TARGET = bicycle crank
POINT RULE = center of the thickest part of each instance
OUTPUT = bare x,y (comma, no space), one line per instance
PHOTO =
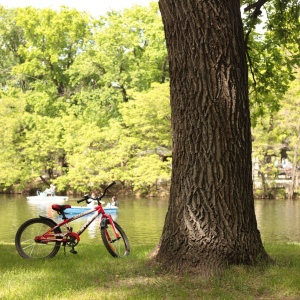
72,241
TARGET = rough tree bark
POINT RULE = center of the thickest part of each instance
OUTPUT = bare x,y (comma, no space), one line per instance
211,221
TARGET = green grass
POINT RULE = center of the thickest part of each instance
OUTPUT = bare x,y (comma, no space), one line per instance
94,274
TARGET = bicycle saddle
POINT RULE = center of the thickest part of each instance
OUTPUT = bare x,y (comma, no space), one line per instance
59,207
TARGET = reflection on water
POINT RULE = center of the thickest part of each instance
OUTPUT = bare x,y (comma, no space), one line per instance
142,219
278,220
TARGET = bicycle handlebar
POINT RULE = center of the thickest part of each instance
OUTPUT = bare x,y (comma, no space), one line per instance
87,197
113,183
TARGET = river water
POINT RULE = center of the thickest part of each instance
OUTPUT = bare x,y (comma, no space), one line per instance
143,218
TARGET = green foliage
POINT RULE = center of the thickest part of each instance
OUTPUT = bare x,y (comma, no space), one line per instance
85,101
145,131
287,121
11,166
128,52
11,38
280,131
72,73
271,79
272,53
53,40
132,148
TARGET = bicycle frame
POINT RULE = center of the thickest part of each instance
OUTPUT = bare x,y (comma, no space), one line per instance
51,236
32,242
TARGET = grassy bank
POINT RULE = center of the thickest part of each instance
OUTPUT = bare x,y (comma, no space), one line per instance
94,274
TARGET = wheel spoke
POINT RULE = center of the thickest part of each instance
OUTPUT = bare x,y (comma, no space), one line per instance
116,246
25,239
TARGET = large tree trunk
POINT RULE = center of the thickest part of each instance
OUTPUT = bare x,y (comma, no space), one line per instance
211,220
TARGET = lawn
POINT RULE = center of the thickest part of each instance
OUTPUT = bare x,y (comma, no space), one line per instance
94,274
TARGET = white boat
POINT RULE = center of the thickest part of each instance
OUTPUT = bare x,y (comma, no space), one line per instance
44,199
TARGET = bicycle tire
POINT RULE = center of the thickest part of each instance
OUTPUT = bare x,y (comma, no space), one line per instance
117,248
26,245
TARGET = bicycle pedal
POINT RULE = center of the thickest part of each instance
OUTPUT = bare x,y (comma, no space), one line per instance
73,251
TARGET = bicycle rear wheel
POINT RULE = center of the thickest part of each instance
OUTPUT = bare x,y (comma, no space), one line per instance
116,247
25,243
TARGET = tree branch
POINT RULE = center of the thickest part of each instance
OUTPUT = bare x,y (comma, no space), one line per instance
257,11
251,67
257,5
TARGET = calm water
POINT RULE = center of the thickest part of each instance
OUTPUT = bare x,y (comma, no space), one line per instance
143,219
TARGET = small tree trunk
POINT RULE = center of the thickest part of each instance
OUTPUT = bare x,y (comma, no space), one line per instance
294,170
264,184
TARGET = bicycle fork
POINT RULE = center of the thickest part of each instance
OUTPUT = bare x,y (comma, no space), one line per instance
105,221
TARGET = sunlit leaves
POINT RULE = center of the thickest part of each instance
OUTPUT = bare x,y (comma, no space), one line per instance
272,54
92,106
134,147
53,40
279,131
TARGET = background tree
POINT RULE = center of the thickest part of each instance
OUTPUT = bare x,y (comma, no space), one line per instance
10,111
70,81
11,39
211,222
128,52
141,140
266,148
271,34
71,76
277,137
287,127
133,148
53,40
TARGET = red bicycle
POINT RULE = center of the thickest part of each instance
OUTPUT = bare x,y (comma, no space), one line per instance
42,237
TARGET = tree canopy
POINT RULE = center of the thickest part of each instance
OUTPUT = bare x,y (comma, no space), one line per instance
85,101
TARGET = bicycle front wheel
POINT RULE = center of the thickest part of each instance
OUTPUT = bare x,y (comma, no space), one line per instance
116,247
25,239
